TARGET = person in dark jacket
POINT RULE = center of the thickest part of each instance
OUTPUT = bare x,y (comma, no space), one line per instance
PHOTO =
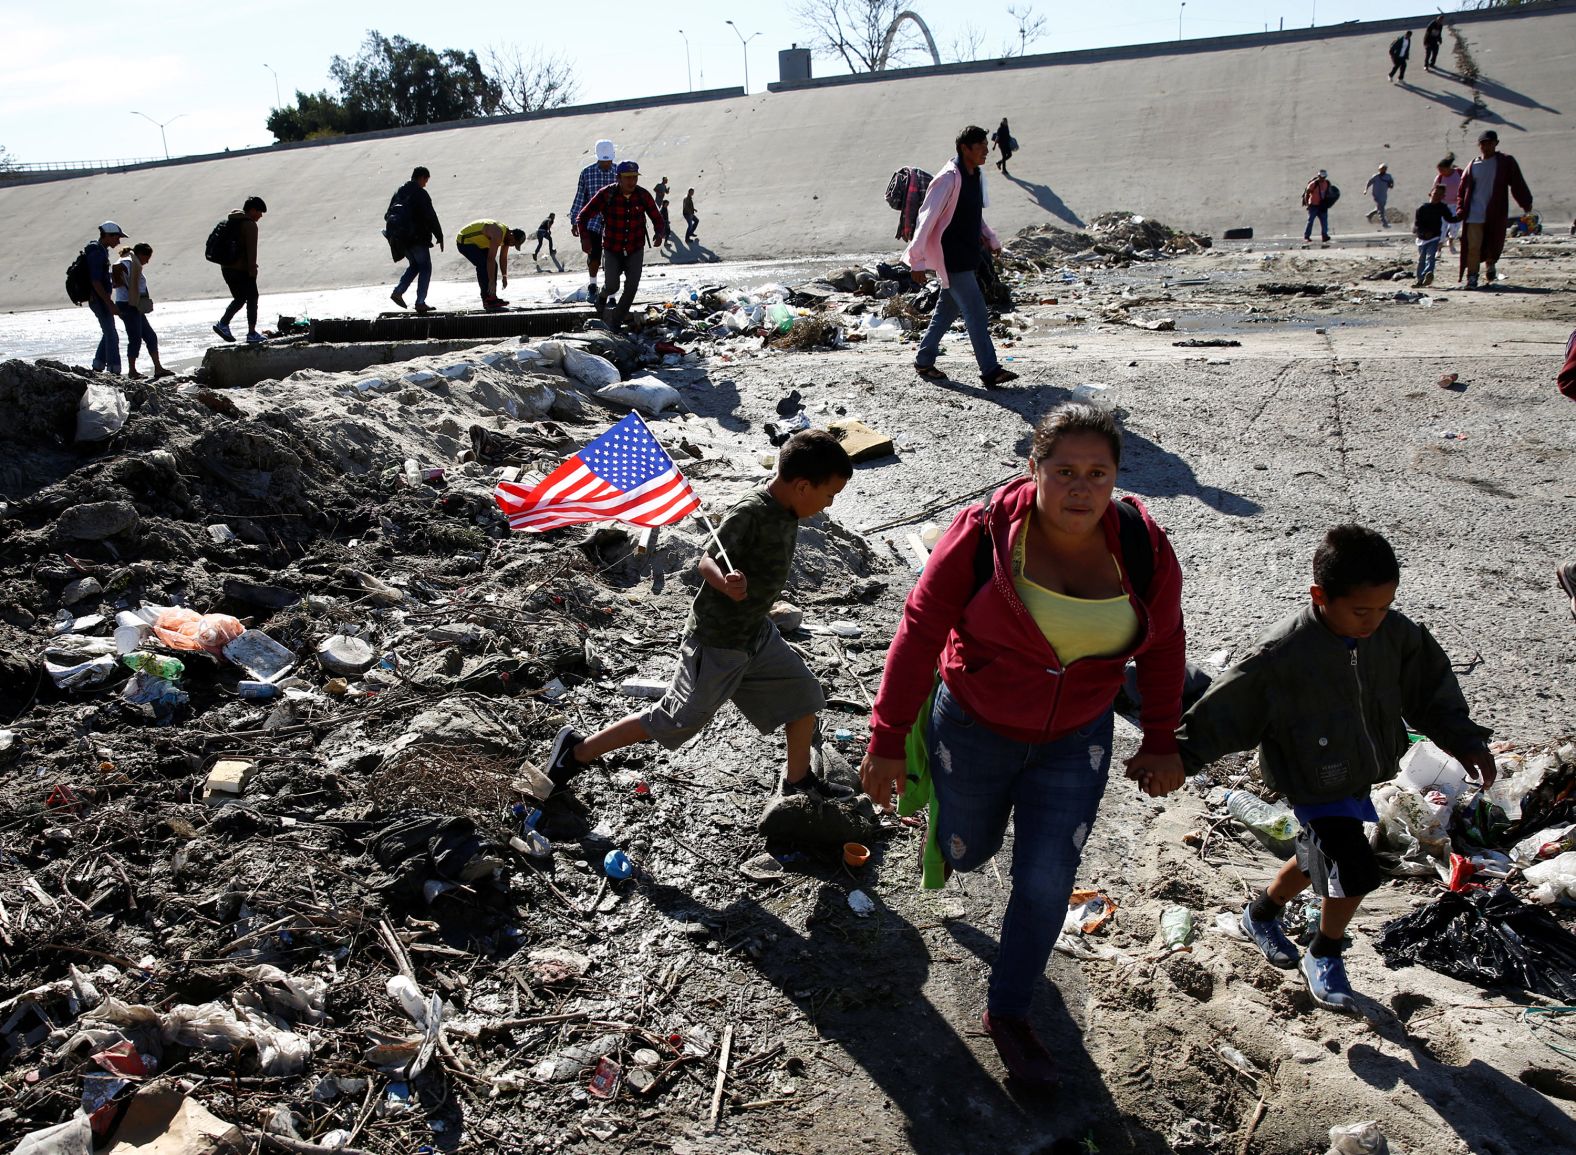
544,235
421,229
106,357
1433,37
1484,207
1003,138
1400,52
1327,696
1032,606
240,272
1427,226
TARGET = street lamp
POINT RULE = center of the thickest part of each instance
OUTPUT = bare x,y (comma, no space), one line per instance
161,125
744,43
277,102
688,76
1179,19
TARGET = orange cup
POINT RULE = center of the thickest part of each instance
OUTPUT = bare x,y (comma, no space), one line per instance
854,854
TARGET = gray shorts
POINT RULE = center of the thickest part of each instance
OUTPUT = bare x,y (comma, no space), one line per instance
770,684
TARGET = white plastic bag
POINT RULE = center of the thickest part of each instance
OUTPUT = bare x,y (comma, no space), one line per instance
1554,879
646,394
101,412
1358,1139
589,369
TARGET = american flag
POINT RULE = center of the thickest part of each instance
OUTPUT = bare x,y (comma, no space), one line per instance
624,475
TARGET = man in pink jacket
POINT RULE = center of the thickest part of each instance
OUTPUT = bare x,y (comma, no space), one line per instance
947,240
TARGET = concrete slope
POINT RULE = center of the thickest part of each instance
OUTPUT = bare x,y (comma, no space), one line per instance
1213,135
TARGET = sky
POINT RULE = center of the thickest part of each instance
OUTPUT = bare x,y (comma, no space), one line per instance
207,70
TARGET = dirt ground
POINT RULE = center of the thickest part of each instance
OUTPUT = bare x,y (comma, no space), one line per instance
844,1032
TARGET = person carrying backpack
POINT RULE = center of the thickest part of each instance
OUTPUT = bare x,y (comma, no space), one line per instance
1317,198
1400,51
412,225
96,261
233,247
998,696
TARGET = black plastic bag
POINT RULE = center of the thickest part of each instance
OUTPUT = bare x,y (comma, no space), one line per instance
1490,938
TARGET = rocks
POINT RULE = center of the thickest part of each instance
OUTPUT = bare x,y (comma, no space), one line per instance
98,520
787,616
81,590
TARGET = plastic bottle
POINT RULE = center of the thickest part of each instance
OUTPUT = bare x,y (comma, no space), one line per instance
533,844
1273,825
1176,927
144,663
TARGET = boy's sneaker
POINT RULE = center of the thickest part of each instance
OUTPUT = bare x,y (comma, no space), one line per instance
224,331
1021,1051
1270,937
816,788
561,762
1326,979
255,338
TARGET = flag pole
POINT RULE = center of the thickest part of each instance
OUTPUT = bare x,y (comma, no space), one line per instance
720,547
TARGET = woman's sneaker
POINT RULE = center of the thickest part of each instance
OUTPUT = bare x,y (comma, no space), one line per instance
1326,979
1270,938
562,765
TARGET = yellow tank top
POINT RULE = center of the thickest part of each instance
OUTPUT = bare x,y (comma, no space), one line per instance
1075,627
475,233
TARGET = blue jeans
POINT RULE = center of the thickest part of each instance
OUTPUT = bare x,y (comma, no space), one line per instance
1323,215
961,298
106,358
419,270
138,333
1427,253
1052,791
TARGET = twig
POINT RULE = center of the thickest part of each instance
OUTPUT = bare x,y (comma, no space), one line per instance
562,897
1253,1125
297,1146
722,1077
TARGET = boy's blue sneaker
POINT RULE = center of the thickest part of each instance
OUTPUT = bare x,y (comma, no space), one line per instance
1326,978
1270,938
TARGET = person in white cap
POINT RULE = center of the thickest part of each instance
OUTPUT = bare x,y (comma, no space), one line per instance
1317,199
593,179
106,358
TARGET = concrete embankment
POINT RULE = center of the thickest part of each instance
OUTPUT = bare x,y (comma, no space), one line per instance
1204,135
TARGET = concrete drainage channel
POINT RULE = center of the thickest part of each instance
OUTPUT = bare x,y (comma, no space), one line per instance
348,345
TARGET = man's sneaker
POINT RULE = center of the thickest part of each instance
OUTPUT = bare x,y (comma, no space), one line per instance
255,338
1566,576
224,331
561,762
1021,1051
1471,281
1428,280
1326,979
423,307
592,290
1270,937
816,788
998,377
397,299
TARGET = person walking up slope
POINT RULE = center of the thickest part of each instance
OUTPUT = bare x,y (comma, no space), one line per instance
947,240
239,268
1400,51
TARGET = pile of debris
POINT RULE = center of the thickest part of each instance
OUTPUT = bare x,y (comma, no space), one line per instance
279,866
1115,240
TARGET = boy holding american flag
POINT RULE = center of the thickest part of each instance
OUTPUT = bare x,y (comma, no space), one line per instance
731,650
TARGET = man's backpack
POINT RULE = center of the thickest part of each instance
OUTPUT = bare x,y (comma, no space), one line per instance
79,285
897,189
1331,195
224,243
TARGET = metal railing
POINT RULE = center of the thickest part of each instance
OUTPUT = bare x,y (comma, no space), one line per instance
75,165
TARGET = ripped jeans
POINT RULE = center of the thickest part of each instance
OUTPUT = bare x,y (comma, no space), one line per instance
1052,791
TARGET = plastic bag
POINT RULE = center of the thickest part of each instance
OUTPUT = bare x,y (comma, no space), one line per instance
1490,938
589,369
1412,826
646,394
1555,879
1358,1139
101,412
183,629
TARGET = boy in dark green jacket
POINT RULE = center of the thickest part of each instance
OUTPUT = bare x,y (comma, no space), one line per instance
1326,695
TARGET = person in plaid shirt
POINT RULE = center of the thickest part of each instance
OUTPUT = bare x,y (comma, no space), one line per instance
593,179
623,236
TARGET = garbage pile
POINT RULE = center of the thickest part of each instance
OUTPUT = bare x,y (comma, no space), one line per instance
1114,240
280,863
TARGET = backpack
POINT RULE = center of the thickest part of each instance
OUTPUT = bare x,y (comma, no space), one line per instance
79,285
1138,549
1331,195
1396,46
396,221
897,189
224,243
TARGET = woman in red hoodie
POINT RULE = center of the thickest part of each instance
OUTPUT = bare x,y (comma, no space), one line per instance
1030,607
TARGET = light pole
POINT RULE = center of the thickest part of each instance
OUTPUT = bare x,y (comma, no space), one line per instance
689,77
277,102
744,43
1179,19
161,125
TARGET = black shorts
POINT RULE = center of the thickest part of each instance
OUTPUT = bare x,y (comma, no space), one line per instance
591,245
1334,853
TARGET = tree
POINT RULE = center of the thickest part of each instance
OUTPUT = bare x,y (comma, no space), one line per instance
7,164
1030,28
530,83
965,46
397,83
855,30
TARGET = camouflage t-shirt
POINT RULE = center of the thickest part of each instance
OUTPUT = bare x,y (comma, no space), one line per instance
759,534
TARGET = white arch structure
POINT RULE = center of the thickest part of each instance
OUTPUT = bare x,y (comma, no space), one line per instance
891,34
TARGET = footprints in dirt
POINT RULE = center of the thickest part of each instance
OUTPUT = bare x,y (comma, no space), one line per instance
1428,1028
